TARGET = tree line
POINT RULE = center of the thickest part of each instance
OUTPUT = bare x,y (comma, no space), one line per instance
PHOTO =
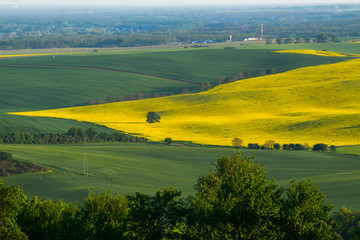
272,145
242,75
73,135
235,201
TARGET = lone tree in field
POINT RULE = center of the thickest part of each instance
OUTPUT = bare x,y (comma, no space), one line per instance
237,142
153,117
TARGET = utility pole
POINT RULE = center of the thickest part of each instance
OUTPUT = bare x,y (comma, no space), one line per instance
86,168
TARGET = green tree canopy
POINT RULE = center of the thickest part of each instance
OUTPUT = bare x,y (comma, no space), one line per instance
153,117
237,201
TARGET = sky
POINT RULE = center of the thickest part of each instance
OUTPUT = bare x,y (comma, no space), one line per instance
167,2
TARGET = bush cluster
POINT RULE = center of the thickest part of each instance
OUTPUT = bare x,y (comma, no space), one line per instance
9,166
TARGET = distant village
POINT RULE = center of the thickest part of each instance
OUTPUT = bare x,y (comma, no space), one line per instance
213,41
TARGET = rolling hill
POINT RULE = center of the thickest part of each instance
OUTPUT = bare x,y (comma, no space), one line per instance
306,105
39,81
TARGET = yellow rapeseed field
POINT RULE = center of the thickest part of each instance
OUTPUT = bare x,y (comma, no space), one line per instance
308,105
31,55
318,53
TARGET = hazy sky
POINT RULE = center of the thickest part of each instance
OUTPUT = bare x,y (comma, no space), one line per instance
168,2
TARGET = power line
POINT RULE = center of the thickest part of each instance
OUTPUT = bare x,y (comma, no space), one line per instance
86,167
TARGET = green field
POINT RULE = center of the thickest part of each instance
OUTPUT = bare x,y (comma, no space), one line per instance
127,168
350,150
44,82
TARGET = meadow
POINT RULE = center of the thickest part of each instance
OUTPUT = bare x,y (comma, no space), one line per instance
127,168
292,106
43,82
306,105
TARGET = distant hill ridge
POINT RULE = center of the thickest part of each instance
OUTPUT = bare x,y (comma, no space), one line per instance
306,105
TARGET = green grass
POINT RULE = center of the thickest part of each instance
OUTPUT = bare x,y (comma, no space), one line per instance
191,65
351,150
32,87
26,88
127,168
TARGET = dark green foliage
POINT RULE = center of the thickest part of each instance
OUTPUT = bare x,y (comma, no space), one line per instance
288,40
230,79
8,168
347,224
168,140
332,148
335,38
304,214
277,146
253,146
322,38
271,71
292,146
279,40
236,202
12,200
307,39
46,219
104,216
5,156
320,147
73,135
152,117
247,74
157,217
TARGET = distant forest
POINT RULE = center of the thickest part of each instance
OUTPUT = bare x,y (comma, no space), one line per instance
23,27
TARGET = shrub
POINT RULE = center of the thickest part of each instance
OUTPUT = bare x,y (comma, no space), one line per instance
5,156
253,146
168,140
332,148
320,147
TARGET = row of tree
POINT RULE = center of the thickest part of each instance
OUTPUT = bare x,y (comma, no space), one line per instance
236,201
243,75
73,135
272,145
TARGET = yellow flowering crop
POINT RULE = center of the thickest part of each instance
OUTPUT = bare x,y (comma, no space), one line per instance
31,55
319,53
308,105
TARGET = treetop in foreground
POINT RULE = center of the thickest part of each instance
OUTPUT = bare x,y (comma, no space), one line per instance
234,201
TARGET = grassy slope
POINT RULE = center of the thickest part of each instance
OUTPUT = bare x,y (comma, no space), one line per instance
303,105
29,88
126,168
192,65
